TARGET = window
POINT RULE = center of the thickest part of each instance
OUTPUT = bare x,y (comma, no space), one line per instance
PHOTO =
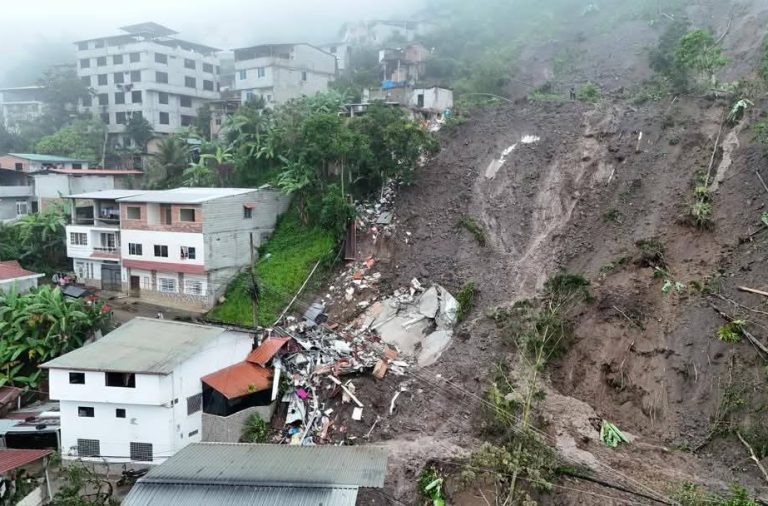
190,82
248,96
188,252
136,97
134,249
194,403
303,76
261,72
105,118
161,77
162,97
193,287
134,57
247,213
87,101
119,412
82,46
22,208
135,76
101,61
133,213
141,452
207,67
77,378
187,120
86,80
165,118
166,285
193,433
117,59
101,79
77,166
243,74
78,239
161,251
19,166
118,78
85,63
99,44
185,101
88,448
120,118
161,58
189,64
207,85
85,412
186,215
103,99
120,379
119,98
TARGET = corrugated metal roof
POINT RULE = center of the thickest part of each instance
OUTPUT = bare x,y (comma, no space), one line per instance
186,195
45,158
166,494
142,345
264,464
13,459
267,350
239,379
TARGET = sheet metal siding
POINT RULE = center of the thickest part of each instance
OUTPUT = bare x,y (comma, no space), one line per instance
237,464
154,494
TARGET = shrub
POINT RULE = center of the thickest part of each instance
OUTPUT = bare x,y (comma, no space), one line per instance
466,299
469,223
651,253
588,92
255,430
731,332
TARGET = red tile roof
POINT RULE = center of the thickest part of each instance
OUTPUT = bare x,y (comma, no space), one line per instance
165,266
239,379
13,459
12,270
267,350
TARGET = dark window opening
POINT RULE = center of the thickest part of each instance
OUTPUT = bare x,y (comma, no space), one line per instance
88,448
189,64
117,59
161,251
120,379
141,452
101,79
85,412
190,82
119,413
77,378
101,61
135,76
194,403
247,213
161,58
162,97
136,97
165,118
118,77
135,57
207,67
161,77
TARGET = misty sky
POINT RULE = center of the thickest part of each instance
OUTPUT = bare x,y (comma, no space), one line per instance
37,33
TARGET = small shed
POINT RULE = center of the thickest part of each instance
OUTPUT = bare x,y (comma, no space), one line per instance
235,388
14,276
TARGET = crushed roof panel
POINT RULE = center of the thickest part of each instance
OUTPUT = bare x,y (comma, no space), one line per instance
142,345
267,350
239,379
171,494
233,464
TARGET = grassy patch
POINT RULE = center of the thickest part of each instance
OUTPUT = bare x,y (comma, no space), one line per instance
613,216
589,93
613,265
285,261
466,299
473,227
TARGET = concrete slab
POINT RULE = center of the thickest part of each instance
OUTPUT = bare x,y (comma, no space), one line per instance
406,338
429,303
433,347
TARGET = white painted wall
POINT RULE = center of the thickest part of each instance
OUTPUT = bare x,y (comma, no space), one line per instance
174,240
54,186
435,99
156,410
20,285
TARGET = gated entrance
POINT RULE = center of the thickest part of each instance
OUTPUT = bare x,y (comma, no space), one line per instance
110,277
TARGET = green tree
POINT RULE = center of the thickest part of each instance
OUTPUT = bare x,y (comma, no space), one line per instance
662,58
698,51
170,161
296,179
203,121
139,130
41,239
63,90
83,139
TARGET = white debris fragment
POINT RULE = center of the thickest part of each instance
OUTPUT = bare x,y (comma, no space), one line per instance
357,414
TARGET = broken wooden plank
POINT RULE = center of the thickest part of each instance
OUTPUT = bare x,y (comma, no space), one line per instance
753,456
753,290
346,390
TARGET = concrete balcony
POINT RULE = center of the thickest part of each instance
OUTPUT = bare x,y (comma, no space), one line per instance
15,191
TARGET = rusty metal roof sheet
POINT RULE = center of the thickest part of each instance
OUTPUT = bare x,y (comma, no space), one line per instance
267,350
239,379
13,459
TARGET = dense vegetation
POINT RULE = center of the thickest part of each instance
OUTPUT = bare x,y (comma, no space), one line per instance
37,240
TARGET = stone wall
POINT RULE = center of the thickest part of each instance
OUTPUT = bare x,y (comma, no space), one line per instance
227,429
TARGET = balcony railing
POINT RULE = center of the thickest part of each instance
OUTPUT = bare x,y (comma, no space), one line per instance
107,251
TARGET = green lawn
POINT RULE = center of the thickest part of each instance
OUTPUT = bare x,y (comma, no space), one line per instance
293,250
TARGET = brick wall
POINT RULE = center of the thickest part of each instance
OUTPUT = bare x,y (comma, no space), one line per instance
175,226
9,162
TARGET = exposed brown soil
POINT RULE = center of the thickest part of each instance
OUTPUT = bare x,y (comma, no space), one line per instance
579,198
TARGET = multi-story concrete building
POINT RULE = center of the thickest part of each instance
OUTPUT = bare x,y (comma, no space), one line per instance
280,72
176,247
135,395
147,71
343,53
15,194
380,31
20,105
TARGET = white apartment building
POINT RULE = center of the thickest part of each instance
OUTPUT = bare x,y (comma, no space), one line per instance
148,71
135,395
175,247
280,72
